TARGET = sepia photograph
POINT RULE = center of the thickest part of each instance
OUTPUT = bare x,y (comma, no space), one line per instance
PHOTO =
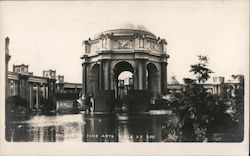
115,76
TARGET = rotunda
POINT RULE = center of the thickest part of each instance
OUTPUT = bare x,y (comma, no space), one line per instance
128,47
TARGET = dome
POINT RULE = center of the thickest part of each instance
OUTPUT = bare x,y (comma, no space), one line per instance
124,27
173,80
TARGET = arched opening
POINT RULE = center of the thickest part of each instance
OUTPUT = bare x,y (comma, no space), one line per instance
152,79
94,79
125,83
123,78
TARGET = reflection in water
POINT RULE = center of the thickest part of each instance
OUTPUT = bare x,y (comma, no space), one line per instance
88,128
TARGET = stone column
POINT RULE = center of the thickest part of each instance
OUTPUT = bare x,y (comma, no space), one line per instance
8,85
44,91
107,75
27,90
24,92
138,38
141,74
159,81
14,88
136,76
37,96
109,41
31,95
137,42
7,59
113,80
53,91
144,71
84,78
163,77
18,87
101,76
47,92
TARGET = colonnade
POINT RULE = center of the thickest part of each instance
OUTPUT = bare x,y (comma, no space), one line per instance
105,76
31,91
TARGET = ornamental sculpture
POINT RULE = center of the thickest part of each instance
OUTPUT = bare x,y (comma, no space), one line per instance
122,44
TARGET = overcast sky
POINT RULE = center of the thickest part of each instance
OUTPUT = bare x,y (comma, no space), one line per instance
48,35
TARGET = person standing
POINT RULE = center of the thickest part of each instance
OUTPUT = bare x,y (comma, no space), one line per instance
87,104
92,101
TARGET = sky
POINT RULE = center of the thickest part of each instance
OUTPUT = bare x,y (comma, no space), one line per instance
49,34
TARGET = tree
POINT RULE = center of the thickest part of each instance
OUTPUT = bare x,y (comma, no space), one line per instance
238,104
200,69
198,110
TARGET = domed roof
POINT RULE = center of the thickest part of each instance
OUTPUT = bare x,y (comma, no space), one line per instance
124,27
173,80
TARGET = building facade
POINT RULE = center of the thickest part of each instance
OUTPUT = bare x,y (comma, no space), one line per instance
216,87
33,89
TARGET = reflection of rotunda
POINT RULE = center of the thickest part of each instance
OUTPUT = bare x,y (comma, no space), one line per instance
129,47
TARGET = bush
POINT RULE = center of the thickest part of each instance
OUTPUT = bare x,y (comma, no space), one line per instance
15,102
48,105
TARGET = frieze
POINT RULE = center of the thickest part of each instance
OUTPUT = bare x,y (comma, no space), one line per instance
153,46
95,47
122,44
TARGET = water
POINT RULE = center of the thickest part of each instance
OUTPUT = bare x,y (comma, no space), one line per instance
89,128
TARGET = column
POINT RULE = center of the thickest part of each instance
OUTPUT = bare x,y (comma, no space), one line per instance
100,76
22,88
84,78
18,87
37,96
53,91
27,90
144,70
136,76
15,86
8,86
7,59
137,38
109,41
47,92
44,91
140,72
31,94
137,43
107,75
163,77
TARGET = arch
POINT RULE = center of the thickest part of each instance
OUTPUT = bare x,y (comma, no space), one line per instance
117,70
152,79
122,66
93,66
